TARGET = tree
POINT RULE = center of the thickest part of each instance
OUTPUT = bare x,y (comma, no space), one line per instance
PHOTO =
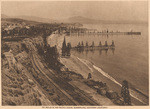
125,93
68,49
64,47
51,57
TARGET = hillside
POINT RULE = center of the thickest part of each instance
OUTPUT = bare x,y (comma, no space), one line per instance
37,19
85,20
17,20
4,16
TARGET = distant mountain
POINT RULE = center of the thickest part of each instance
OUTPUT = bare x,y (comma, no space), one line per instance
29,18
84,20
37,19
4,16
81,19
17,20
75,19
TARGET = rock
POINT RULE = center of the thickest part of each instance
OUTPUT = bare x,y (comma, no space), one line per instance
63,69
111,95
96,87
102,91
30,82
119,101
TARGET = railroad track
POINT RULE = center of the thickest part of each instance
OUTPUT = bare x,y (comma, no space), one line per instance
71,92
68,100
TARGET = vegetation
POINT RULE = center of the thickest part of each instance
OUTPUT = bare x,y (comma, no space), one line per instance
31,31
50,56
125,93
66,48
24,28
24,47
5,47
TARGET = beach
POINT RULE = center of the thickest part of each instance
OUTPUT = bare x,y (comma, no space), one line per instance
84,67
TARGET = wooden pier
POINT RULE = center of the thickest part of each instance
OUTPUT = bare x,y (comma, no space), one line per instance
102,33
85,31
92,47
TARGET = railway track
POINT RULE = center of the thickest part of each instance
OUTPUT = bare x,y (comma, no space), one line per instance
67,100
72,93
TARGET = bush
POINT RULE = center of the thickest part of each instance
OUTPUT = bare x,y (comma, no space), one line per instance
37,102
13,86
23,46
9,102
18,92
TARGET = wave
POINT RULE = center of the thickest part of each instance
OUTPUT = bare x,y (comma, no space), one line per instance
85,63
106,75
132,92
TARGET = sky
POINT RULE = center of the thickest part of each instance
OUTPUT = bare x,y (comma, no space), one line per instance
101,10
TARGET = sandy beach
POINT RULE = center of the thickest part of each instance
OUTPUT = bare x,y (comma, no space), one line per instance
74,64
84,67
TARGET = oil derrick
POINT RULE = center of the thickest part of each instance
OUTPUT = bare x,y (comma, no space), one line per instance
68,48
64,47
79,45
113,44
100,44
82,44
106,44
107,31
86,44
70,45
89,76
125,93
93,44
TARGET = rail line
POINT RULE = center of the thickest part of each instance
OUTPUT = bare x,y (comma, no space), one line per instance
56,86
74,92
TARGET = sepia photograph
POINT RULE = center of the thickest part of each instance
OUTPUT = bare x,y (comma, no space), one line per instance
74,53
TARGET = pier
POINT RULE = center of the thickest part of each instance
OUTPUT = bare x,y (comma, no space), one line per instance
84,31
81,46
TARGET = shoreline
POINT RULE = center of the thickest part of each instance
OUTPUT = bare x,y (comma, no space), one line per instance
132,91
72,64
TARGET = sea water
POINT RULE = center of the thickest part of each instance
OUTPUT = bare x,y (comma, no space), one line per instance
129,60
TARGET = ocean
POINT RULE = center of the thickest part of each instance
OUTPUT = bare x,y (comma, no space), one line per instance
129,60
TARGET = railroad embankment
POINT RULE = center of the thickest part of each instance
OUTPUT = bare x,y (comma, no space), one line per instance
18,85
